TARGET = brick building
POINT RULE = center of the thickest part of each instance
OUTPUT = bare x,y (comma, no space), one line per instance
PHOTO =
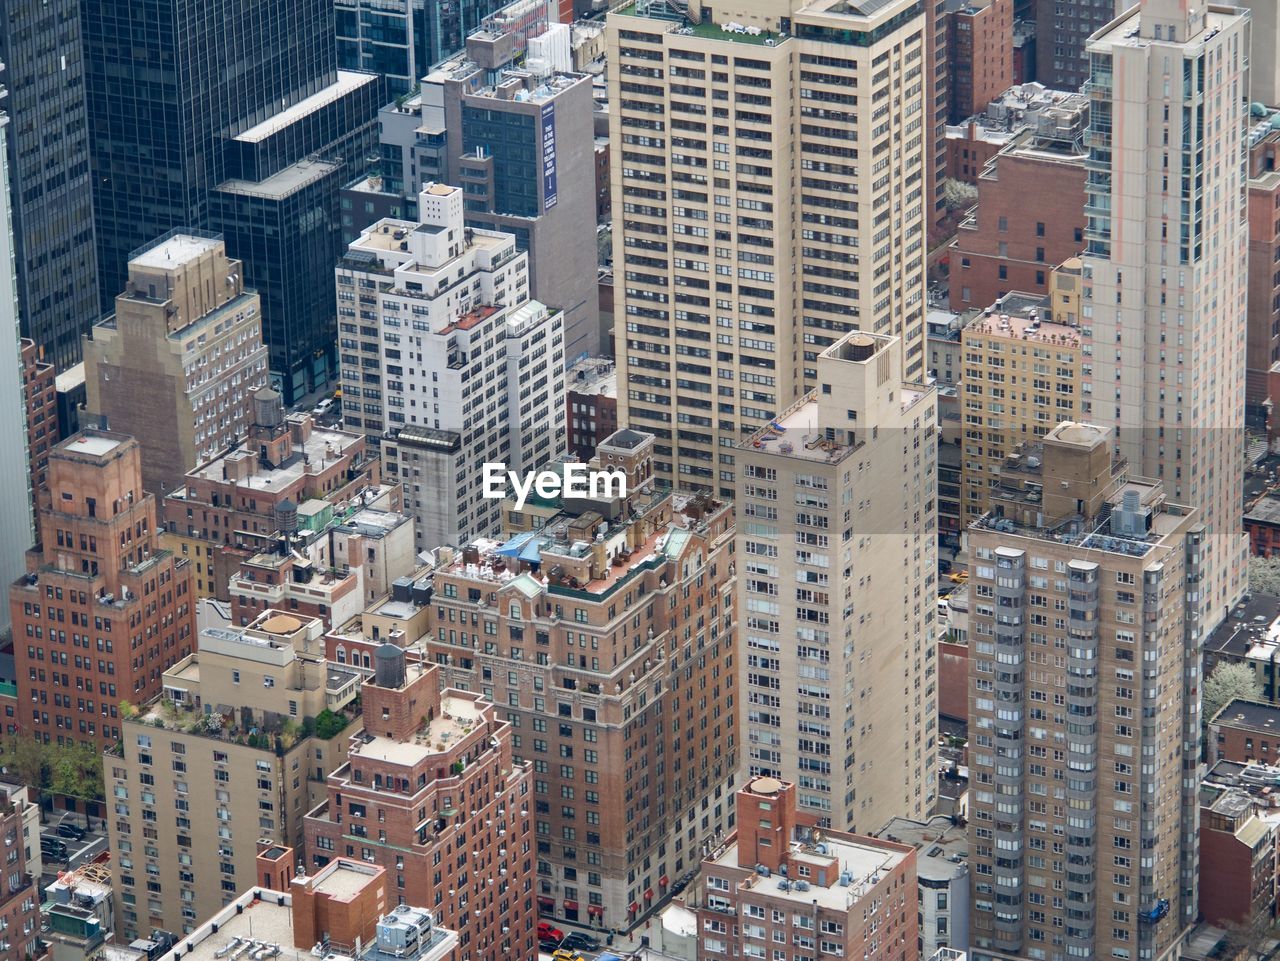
19,884
40,396
1262,524
591,404
591,631
1029,219
979,54
339,913
776,881
1262,340
432,793
103,611
1246,731
1237,857
234,506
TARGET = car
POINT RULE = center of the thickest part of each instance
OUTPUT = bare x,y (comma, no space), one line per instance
324,406
959,577
562,955
943,607
549,932
944,567
577,941
73,831
546,947
53,848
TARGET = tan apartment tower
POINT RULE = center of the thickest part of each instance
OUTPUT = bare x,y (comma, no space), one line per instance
177,363
1083,712
768,169
837,547
1165,267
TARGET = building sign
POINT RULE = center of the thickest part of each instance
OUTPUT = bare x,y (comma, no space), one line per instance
548,156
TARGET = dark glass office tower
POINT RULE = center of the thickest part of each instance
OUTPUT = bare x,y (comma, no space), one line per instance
403,39
192,104
48,153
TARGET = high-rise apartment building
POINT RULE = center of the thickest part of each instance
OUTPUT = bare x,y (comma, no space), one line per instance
432,793
837,544
1263,347
823,892
229,755
1063,31
1083,709
1021,379
103,611
1165,263
607,638
176,365
734,126
448,363
503,118
251,136
48,168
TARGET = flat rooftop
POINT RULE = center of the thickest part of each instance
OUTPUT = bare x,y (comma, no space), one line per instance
1022,325
178,249
99,445
348,80
447,728
345,881
865,860
1250,625
942,847
287,181
1250,716
321,451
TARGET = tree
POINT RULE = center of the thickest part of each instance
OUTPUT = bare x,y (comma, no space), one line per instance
26,758
1264,575
1228,682
76,771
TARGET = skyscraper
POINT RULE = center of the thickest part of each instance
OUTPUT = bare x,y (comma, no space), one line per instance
234,118
100,571
1164,315
447,363
1062,32
838,544
733,125
177,364
16,516
1083,715
48,153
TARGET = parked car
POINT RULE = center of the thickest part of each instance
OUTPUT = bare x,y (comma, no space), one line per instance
68,830
324,406
546,947
549,932
577,941
53,848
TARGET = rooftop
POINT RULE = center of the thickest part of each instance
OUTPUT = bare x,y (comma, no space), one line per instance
284,182
348,80
456,719
595,376
96,444
861,863
1265,510
1021,317
1250,716
323,449
174,251
942,846
1252,629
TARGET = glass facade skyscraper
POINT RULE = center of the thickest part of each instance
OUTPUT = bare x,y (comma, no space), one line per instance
192,104
48,152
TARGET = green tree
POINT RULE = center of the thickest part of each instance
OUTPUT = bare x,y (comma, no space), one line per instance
26,758
1228,682
1264,575
76,771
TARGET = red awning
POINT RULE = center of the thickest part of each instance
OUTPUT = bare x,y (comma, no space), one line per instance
544,902
662,881
595,909
648,895
571,905
635,906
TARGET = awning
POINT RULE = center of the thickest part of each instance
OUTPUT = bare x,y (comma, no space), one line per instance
571,905
663,881
635,906
648,895
596,909
544,902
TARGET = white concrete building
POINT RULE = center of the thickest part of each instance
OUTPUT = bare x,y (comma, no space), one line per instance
837,539
447,363
1165,265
